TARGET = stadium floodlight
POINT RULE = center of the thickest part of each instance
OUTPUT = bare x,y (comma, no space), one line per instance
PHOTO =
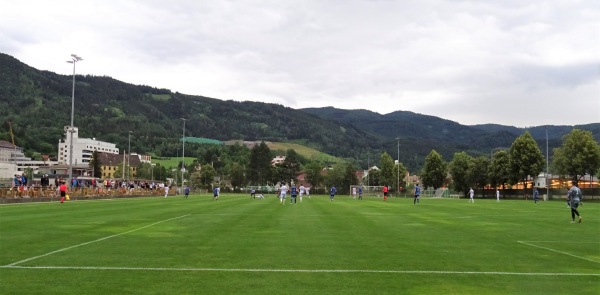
398,182
74,59
183,152
128,155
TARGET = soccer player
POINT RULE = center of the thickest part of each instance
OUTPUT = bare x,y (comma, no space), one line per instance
302,191
385,191
497,195
294,193
575,199
471,195
417,199
252,193
186,191
282,192
354,192
536,196
360,192
216,191
63,192
332,192
166,191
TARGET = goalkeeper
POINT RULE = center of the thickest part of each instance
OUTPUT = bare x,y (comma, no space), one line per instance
575,199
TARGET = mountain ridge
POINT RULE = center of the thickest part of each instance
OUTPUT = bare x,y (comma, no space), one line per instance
38,105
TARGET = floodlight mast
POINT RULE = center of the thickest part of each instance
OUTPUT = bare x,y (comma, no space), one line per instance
74,59
183,153
398,183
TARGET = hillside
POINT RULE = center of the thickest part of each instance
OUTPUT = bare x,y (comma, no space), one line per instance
38,103
445,136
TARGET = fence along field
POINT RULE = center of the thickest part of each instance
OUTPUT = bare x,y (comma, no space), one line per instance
241,245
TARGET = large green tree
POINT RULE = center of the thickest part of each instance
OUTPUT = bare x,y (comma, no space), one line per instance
96,165
434,170
349,178
499,169
478,171
525,159
313,171
399,176
259,171
459,170
236,175
578,155
387,170
206,176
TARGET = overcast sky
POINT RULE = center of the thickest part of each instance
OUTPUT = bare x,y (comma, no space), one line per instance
518,63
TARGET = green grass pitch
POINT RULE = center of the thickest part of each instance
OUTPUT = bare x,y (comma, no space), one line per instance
238,245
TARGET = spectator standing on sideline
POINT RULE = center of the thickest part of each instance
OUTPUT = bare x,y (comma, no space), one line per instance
497,195
417,199
575,200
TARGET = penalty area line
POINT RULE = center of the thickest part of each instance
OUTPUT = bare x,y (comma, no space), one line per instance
434,272
94,241
557,251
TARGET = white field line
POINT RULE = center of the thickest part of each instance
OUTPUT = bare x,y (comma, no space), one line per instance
528,243
434,272
94,241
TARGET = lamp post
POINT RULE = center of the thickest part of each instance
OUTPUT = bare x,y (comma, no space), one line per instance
547,169
368,168
183,153
74,60
129,155
398,182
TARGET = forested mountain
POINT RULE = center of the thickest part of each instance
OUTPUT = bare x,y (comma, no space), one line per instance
445,136
38,103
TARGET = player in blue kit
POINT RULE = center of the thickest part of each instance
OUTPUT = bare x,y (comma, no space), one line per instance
293,193
332,192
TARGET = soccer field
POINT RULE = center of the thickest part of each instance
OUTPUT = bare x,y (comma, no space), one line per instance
238,245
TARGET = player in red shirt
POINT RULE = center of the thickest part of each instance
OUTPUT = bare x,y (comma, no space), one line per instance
63,191
385,191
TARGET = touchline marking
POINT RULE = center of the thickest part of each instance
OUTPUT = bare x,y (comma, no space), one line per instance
308,270
553,250
94,241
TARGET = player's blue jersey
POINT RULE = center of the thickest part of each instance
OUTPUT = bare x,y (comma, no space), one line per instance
215,191
293,190
332,191
417,191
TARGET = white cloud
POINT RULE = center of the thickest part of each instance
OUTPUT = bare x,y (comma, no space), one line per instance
467,61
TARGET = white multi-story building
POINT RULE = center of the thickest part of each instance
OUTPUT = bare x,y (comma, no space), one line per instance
82,148
13,161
